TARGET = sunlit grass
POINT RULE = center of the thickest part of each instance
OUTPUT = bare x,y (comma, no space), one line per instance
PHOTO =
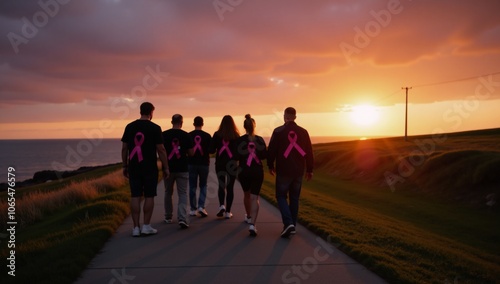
64,228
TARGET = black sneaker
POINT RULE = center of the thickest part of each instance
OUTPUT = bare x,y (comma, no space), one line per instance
183,225
287,231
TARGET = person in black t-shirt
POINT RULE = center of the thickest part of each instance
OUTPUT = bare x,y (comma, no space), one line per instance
179,145
224,143
198,167
290,147
251,152
142,140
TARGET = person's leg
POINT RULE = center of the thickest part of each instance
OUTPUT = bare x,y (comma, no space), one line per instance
169,190
221,177
282,188
148,209
295,189
230,192
193,184
135,208
203,173
182,188
254,207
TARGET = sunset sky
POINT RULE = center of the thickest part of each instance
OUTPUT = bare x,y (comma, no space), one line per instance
76,69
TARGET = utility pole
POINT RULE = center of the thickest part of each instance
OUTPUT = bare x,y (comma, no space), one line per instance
406,113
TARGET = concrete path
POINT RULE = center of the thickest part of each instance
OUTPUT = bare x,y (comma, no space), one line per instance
217,250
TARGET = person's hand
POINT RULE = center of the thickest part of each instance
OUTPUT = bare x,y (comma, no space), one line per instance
125,172
272,172
166,173
309,176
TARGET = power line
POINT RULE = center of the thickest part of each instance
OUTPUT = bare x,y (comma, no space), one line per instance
453,81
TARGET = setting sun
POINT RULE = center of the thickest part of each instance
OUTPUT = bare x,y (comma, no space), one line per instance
364,115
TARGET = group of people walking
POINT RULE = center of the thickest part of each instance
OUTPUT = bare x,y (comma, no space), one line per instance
185,160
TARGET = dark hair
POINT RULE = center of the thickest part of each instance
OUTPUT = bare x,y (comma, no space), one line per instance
291,111
227,128
147,108
249,125
176,119
198,121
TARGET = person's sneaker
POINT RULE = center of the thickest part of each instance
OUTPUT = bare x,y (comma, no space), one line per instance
222,209
183,224
229,215
252,230
203,212
192,213
148,230
248,220
294,231
287,231
136,232
168,220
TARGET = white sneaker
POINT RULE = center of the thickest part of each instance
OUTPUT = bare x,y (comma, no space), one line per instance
192,213
229,215
169,221
148,230
222,209
252,230
202,212
248,220
136,232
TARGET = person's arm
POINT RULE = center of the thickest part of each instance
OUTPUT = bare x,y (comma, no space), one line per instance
125,159
162,153
309,158
271,154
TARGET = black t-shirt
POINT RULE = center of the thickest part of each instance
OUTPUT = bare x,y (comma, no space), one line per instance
177,143
251,154
201,140
225,151
141,137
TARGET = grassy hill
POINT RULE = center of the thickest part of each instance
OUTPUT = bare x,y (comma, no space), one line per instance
462,166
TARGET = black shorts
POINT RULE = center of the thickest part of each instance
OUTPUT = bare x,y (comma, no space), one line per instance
252,182
143,184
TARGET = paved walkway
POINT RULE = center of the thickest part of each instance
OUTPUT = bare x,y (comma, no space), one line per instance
216,250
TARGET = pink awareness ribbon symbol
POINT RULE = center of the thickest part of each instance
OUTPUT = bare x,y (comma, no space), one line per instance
137,149
197,146
225,146
252,155
292,138
175,149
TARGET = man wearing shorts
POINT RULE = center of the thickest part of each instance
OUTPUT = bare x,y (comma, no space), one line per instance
142,141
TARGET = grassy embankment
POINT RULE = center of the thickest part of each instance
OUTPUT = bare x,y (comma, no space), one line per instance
63,224
438,226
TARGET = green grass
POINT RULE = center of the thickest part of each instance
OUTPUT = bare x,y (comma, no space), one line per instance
423,232
57,248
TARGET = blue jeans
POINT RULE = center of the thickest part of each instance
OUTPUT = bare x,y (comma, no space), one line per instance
287,196
195,172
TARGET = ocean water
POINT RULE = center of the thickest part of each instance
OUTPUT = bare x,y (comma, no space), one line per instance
30,156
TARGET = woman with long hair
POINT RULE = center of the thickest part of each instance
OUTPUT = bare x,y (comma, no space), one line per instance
224,145
251,150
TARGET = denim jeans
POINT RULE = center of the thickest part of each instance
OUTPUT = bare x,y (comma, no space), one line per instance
287,196
181,181
195,172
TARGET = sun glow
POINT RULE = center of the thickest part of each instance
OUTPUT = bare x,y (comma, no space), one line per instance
364,115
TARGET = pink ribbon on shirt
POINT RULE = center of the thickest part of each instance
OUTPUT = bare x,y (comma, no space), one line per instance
197,146
292,138
175,150
225,146
251,154
137,149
